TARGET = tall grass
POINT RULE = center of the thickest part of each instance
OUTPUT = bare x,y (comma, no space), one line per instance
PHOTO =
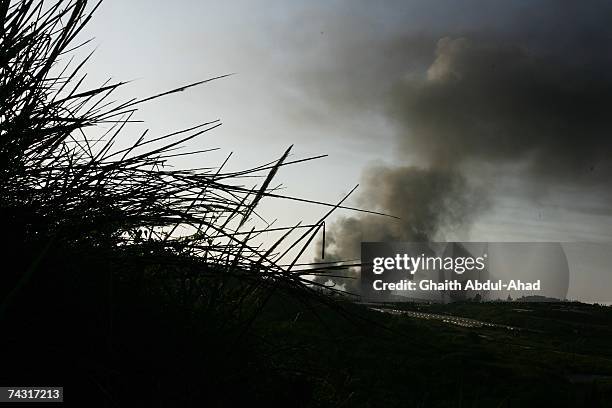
102,242
59,184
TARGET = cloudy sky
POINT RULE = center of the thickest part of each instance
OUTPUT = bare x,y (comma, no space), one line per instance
469,120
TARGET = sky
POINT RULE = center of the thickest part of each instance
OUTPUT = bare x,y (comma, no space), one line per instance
469,120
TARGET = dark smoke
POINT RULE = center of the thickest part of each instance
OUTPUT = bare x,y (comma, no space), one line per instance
424,199
477,103
492,104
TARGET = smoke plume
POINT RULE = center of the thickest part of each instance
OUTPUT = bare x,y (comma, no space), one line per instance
423,199
474,106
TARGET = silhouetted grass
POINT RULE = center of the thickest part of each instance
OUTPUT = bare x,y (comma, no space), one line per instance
124,278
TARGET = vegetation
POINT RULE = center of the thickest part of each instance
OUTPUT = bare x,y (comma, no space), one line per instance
121,274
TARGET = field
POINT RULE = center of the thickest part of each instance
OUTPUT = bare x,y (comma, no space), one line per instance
551,354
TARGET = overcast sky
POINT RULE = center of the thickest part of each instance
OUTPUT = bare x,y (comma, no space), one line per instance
472,120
